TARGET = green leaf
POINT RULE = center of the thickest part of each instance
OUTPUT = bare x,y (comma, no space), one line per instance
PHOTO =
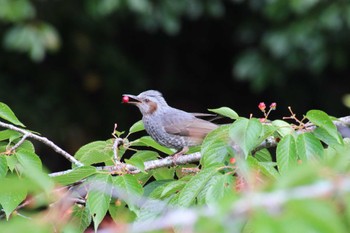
163,173
319,216
7,134
283,128
221,187
7,114
194,187
3,166
266,168
130,187
145,155
99,197
12,161
129,183
150,187
172,187
121,213
29,158
322,120
286,153
27,145
138,126
10,200
263,155
246,133
137,162
309,147
226,112
75,175
16,11
81,217
31,167
95,152
148,141
215,147
140,157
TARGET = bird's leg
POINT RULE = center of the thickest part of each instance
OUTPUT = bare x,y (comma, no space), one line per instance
179,153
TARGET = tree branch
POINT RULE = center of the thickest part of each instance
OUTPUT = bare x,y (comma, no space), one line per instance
42,140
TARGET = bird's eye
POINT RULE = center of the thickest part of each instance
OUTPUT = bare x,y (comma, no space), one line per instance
147,100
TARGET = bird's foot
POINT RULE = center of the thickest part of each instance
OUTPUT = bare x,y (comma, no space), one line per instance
179,153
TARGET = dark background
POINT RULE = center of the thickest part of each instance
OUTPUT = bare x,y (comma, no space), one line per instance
65,64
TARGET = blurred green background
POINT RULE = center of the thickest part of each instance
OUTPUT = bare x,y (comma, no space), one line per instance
65,64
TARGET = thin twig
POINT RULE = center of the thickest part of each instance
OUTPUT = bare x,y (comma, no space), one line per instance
43,140
20,142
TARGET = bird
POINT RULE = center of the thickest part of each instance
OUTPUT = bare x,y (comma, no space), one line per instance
170,127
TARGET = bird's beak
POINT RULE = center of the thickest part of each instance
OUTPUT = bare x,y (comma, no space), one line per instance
133,99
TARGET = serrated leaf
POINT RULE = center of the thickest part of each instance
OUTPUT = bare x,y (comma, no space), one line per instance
75,175
11,162
94,152
150,187
226,112
137,162
172,187
283,128
215,146
221,186
266,168
201,197
324,136
246,133
31,167
286,153
128,185
3,166
322,120
189,193
148,141
81,217
263,155
29,158
10,200
136,127
99,197
7,114
309,147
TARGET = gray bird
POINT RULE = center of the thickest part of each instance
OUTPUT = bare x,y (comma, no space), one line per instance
169,126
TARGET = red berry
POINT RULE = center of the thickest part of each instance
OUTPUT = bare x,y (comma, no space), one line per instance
125,99
273,106
262,106
232,160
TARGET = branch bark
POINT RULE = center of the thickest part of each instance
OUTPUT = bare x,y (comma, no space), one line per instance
43,140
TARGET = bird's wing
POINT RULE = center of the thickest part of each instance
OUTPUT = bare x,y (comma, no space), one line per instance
186,125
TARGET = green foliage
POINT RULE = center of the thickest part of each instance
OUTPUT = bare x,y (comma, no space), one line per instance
295,40
7,114
234,185
226,112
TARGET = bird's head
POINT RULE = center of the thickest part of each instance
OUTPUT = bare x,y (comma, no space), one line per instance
148,101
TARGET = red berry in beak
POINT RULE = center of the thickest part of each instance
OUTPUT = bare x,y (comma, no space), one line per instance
125,99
